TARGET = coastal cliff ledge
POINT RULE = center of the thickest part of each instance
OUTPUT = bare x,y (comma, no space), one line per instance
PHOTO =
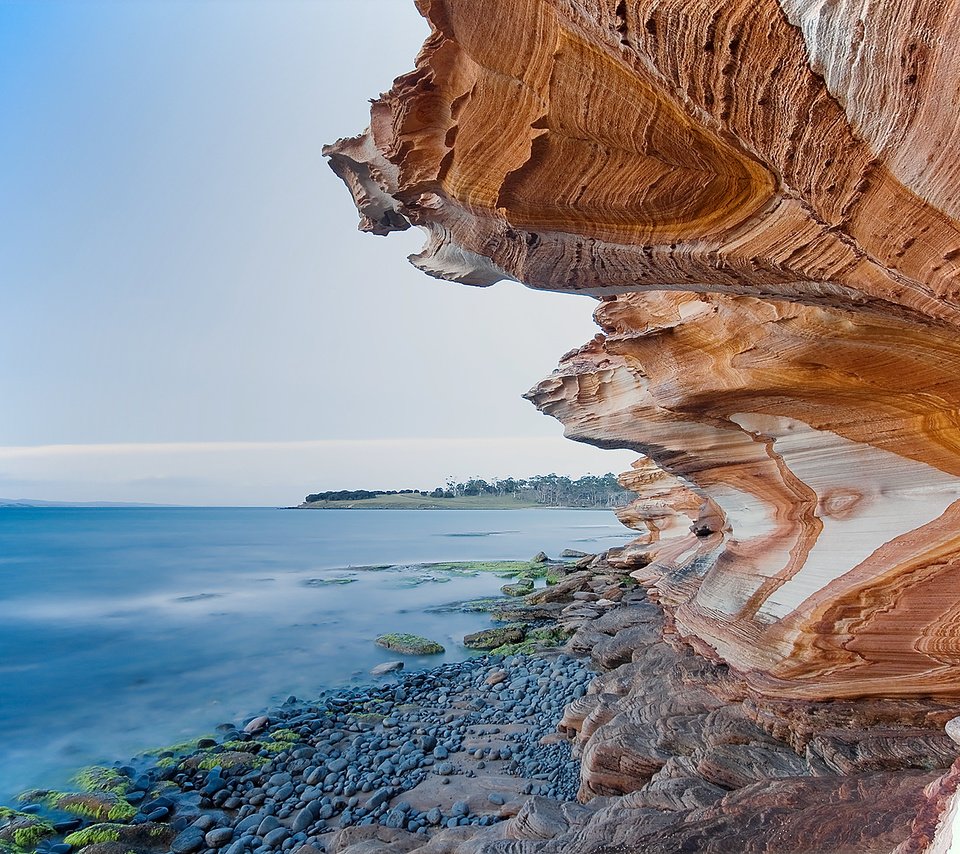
764,197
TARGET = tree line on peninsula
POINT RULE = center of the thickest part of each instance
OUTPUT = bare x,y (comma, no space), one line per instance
550,490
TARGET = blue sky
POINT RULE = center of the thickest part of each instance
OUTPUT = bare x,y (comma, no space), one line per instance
189,314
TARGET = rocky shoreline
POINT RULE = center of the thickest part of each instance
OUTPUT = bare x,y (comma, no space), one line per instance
450,747
459,745
626,740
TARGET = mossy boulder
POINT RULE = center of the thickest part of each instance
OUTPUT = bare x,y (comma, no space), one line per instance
225,759
537,640
93,834
100,806
407,644
521,569
468,606
521,588
526,613
98,778
492,638
21,830
171,755
147,834
284,734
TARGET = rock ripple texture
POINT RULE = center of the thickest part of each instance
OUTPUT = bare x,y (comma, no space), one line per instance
765,198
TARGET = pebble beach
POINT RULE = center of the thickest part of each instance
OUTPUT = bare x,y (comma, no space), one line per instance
461,744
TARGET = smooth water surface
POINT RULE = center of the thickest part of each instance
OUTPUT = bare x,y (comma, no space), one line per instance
122,629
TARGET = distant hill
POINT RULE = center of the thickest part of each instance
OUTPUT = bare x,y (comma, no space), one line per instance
548,490
421,501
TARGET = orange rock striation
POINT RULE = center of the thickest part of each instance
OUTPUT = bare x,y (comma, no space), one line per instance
822,560
766,198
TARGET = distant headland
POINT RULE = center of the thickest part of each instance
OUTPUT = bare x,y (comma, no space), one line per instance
549,490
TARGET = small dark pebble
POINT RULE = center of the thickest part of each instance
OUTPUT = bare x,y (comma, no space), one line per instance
189,840
218,837
276,836
159,814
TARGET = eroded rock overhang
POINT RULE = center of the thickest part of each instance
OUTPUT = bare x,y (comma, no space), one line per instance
764,196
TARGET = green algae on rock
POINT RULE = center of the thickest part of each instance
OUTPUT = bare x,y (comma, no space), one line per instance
328,582
497,637
93,834
98,778
468,606
416,580
523,612
148,834
96,805
230,758
536,640
408,644
22,831
181,748
521,588
502,568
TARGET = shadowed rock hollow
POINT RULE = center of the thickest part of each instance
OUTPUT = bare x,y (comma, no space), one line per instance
765,197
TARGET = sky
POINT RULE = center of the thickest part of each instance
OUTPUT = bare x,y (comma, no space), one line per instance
187,311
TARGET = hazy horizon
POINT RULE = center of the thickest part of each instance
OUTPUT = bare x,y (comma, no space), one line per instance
268,474
190,314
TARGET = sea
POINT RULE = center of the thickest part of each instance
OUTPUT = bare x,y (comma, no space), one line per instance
126,629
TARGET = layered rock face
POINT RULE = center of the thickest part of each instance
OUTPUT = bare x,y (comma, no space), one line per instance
765,198
823,556
764,195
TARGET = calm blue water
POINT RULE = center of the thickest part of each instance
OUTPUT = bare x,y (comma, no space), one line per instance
122,629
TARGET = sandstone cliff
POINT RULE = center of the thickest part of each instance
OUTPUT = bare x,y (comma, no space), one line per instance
765,198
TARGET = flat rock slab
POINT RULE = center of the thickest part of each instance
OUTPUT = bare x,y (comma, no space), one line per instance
619,648
628,616
521,613
374,840
476,791
409,644
492,638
